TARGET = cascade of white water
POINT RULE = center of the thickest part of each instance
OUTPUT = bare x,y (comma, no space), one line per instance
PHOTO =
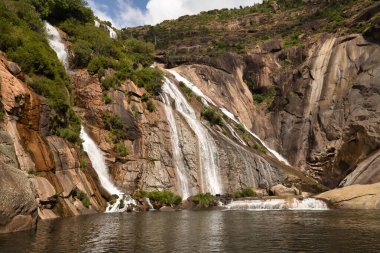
277,204
272,151
56,43
206,100
208,154
192,87
110,30
94,153
179,163
147,200
99,164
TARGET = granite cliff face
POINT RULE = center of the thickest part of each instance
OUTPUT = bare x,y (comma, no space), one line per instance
324,115
41,174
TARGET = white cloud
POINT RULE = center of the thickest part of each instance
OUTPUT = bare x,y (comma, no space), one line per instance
100,10
159,10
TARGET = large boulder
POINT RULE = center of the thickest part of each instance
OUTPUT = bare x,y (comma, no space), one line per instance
281,191
354,197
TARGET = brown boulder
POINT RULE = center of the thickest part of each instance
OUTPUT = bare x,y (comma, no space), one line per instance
354,197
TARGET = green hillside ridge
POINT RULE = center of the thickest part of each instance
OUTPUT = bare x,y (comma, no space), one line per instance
240,30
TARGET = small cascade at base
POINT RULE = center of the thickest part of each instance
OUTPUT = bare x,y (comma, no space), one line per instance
147,201
99,164
277,204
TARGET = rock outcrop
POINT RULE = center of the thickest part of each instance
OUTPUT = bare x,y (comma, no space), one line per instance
40,170
323,115
18,208
354,197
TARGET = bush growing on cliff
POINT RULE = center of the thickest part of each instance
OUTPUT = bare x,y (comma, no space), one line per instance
204,199
261,95
151,106
117,127
121,149
60,10
259,148
110,82
151,79
212,116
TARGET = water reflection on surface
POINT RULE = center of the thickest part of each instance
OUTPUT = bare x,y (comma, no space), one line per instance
204,231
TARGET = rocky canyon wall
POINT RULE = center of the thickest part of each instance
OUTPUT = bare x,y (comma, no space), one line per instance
323,116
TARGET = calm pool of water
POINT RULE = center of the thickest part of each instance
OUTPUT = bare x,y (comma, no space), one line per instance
204,231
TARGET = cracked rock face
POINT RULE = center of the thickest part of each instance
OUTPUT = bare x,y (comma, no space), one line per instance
28,148
324,117
18,208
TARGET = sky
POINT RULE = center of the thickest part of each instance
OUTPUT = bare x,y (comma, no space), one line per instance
129,13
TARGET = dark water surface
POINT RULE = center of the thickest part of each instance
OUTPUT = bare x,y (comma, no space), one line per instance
204,231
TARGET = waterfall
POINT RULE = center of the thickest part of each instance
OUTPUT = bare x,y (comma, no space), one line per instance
277,204
208,154
234,134
179,163
56,43
110,30
272,151
192,87
147,201
99,164
206,100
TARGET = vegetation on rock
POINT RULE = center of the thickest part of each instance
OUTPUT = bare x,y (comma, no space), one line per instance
212,116
246,192
204,199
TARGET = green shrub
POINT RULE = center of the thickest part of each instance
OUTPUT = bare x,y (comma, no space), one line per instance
82,196
117,127
82,52
98,63
188,92
69,135
2,113
107,99
151,106
145,97
204,199
151,79
164,197
60,10
121,149
211,115
83,163
261,95
86,202
259,148
246,192
110,82
122,204
139,194
241,128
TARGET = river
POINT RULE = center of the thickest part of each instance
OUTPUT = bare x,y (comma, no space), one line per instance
204,231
